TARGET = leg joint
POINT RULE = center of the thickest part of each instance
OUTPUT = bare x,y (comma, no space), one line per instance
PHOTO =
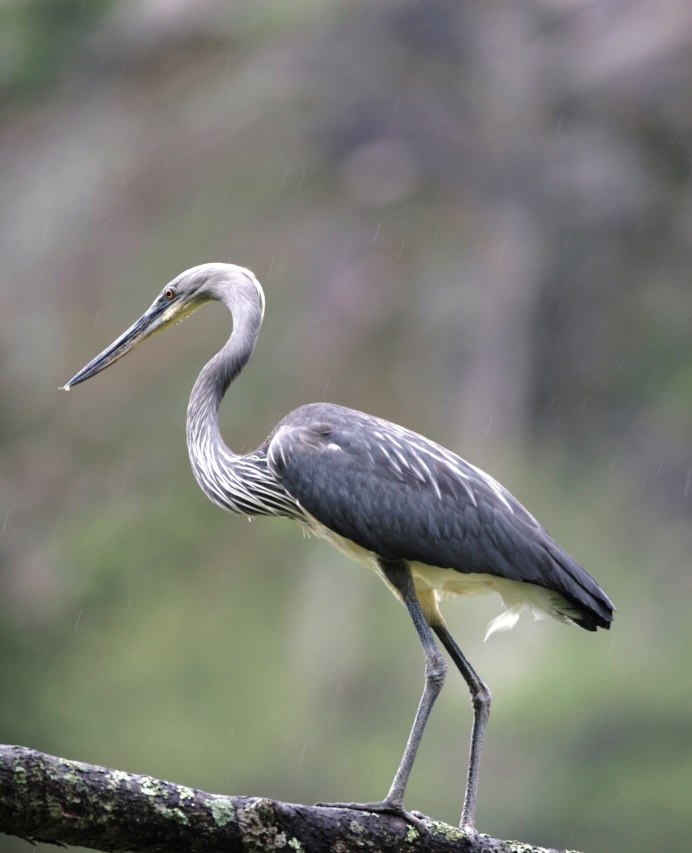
481,699
436,669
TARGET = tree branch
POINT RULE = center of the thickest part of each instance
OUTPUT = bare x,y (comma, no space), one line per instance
44,798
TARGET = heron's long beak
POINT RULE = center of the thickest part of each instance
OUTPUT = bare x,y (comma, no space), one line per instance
154,319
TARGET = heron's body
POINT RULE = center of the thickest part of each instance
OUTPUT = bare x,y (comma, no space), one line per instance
374,489
428,522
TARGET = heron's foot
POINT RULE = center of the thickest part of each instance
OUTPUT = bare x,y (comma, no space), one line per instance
467,824
468,829
416,819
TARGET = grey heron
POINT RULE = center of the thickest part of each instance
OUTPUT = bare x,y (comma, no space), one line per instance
426,521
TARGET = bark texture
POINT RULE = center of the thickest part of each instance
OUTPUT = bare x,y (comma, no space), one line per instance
45,798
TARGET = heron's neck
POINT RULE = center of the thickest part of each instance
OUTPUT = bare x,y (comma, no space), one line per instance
212,461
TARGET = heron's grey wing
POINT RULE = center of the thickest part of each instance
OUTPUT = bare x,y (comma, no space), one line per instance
381,495
402,496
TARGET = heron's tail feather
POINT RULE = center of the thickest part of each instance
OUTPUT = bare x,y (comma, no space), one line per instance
589,606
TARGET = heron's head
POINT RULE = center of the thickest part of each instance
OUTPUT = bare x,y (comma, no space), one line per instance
236,286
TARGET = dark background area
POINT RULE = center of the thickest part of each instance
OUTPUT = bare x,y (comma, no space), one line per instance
472,218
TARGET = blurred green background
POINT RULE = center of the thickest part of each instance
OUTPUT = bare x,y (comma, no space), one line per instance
472,218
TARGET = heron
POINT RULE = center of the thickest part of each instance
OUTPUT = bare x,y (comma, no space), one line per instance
429,523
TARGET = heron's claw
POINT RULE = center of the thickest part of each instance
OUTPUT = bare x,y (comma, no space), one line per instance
420,815
416,819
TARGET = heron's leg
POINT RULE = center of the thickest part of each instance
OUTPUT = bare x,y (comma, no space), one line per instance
398,575
480,698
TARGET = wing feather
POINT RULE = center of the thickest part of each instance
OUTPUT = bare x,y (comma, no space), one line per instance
401,496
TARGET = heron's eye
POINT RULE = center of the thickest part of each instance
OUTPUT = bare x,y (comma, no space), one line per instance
169,293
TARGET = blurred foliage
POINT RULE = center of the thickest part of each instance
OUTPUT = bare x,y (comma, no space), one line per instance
470,218
39,38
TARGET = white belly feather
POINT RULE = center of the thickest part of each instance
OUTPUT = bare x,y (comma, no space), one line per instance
433,583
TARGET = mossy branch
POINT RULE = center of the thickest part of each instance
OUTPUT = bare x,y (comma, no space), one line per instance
44,798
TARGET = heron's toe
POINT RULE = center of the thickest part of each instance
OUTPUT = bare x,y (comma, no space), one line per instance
416,819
